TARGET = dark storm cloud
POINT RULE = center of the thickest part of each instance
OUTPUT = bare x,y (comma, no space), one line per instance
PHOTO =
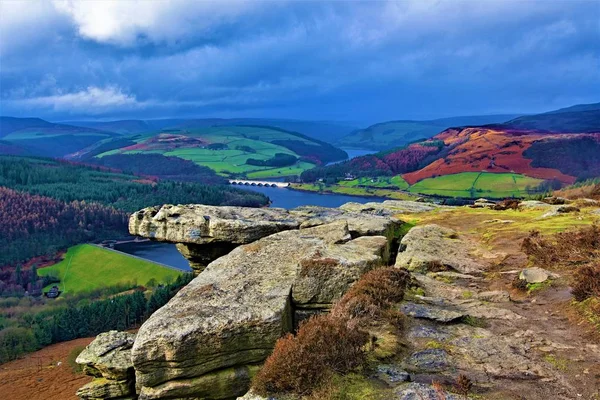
312,60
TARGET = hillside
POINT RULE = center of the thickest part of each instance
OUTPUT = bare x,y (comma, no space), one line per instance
323,130
49,205
459,162
576,119
34,136
86,267
251,151
392,134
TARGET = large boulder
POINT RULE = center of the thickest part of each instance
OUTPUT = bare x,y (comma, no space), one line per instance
109,355
432,246
201,224
207,340
205,233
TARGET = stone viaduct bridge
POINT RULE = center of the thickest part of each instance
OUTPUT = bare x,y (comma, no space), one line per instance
258,183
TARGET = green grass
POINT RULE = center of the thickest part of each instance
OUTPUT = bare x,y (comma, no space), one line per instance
476,184
355,191
395,182
86,267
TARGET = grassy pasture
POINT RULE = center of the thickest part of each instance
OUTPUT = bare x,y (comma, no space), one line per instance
476,184
381,182
86,267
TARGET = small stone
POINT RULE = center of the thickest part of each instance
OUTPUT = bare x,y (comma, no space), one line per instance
534,275
392,374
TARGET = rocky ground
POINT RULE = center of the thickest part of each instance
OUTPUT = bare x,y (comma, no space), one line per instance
469,319
464,314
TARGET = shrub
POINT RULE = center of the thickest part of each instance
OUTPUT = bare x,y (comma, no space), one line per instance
373,295
587,282
324,344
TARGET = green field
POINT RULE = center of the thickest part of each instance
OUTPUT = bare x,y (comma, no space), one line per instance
476,184
395,182
231,161
86,267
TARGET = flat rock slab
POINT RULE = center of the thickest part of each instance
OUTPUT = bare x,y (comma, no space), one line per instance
390,207
231,315
428,246
103,388
200,224
430,360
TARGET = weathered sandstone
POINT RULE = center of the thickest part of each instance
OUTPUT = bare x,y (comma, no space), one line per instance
228,319
432,245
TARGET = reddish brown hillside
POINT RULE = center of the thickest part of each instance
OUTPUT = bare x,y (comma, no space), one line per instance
493,150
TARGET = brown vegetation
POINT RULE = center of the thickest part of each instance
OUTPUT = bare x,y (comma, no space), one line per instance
335,342
578,249
580,246
587,282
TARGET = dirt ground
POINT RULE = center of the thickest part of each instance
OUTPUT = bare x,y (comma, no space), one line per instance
43,375
573,345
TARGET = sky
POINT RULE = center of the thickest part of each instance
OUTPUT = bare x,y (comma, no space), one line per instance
359,61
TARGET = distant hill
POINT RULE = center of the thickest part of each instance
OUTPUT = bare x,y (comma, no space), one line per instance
525,155
234,150
392,134
577,119
323,130
35,136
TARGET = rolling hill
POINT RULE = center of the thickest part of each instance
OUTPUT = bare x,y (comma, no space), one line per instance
35,136
253,151
323,130
581,118
392,134
521,156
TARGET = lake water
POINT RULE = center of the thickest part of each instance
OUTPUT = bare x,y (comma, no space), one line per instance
353,153
166,253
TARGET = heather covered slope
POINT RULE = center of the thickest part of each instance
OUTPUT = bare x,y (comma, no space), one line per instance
550,156
530,154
